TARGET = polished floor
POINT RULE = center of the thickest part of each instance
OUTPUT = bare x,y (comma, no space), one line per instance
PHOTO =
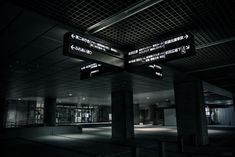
97,141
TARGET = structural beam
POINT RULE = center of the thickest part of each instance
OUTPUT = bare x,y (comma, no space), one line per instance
132,10
222,41
217,90
211,68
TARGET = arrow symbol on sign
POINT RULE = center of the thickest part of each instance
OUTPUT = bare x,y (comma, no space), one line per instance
152,66
72,36
72,47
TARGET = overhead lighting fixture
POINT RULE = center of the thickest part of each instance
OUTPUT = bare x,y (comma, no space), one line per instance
70,94
19,99
83,98
147,97
123,14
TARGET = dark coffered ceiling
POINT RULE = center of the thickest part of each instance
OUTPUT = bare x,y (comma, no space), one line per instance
31,35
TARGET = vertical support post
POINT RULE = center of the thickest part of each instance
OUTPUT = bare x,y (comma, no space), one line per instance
180,144
122,108
161,152
122,115
153,114
135,151
3,113
50,111
136,114
190,112
234,102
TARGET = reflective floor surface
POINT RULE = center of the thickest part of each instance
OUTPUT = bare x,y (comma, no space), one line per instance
97,141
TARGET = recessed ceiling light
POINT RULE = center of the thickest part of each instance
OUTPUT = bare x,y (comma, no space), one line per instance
147,97
70,94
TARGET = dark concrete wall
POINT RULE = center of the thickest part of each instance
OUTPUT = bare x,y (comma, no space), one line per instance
170,117
20,112
226,116
103,113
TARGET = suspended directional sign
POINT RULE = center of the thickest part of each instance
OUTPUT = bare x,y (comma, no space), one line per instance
152,71
156,70
141,61
95,69
85,49
92,45
174,48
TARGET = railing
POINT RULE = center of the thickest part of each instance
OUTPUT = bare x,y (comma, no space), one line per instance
20,124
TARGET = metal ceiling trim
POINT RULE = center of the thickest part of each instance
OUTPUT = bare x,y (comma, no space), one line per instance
217,90
130,11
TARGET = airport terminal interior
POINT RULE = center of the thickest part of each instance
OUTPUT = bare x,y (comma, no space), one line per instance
133,78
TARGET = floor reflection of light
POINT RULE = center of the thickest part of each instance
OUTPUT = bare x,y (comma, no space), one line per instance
97,129
212,131
106,133
55,138
79,136
151,128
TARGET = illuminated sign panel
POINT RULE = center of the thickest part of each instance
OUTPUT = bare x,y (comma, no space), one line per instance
92,45
156,70
178,52
152,71
95,69
186,38
141,61
173,48
78,47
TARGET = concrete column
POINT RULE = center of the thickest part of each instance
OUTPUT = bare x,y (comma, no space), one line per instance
136,114
122,115
190,112
234,102
153,114
50,111
3,113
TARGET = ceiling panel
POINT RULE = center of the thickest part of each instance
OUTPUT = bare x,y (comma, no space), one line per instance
26,28
8,13
213,56
37,67
80,14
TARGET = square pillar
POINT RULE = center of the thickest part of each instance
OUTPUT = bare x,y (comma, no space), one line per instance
122,115
234,102
50,111
3,112
153,114
190,112
136,114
